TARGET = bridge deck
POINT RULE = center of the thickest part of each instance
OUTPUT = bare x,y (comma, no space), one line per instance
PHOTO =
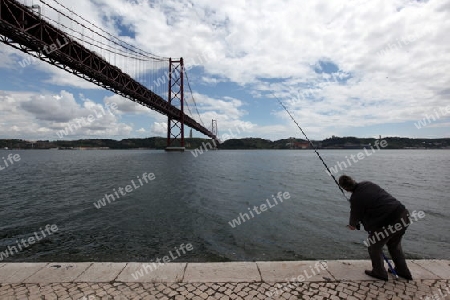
28,32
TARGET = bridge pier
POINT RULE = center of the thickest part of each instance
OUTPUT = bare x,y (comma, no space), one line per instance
175,149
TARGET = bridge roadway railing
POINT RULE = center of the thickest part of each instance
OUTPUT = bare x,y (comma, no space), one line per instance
28,32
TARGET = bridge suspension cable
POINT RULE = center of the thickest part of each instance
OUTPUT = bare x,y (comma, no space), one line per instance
193,99
145,67
129,71
121,43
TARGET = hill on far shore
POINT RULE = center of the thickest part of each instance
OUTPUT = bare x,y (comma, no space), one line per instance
231,144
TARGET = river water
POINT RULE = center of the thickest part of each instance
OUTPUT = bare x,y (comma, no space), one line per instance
193,200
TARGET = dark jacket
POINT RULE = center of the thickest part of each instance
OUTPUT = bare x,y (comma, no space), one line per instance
373,207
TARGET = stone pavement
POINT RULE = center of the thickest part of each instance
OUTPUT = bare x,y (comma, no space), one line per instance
234,280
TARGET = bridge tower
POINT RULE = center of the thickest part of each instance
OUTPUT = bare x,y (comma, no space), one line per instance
215,131
175,127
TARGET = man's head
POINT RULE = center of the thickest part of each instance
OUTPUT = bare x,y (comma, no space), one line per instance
347,183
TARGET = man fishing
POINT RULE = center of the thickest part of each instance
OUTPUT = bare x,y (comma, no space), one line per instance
386,220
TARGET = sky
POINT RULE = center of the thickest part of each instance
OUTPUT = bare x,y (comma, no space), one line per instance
345,68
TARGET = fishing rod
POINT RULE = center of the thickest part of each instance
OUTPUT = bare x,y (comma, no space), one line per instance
391,268
312,146
334,178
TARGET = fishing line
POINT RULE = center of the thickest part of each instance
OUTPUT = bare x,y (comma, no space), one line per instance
334,178
312,145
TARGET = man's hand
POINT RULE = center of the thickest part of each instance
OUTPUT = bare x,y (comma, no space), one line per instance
351,227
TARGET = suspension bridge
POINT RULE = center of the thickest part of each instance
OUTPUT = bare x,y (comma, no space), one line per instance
52,32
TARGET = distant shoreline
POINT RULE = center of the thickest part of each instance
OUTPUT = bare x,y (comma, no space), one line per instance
160,143
228,149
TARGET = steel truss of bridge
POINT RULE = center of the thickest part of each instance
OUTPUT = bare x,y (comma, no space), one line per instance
25,30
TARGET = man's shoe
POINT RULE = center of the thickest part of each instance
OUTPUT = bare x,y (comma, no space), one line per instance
372,274
405,276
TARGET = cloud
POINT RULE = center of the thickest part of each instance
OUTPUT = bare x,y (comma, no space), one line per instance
439,125
8,57
22,63
159,129
211,80
392,54
42,116
227,111
62,78
391,57
126,106
57,108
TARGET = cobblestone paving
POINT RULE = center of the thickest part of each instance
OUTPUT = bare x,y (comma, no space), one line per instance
418,289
